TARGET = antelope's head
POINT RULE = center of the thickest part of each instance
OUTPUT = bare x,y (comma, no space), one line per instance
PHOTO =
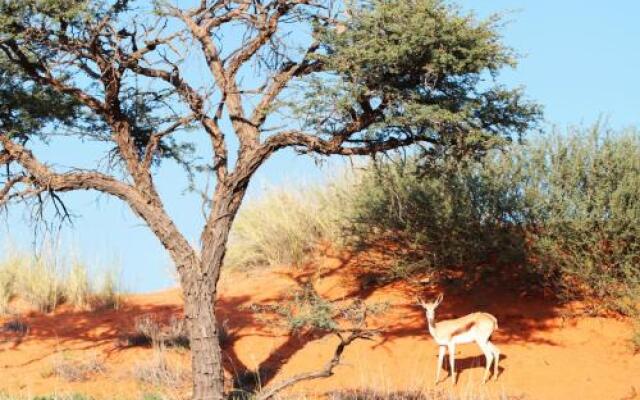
430,307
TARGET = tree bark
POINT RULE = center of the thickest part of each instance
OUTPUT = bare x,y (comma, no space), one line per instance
200,290
206,354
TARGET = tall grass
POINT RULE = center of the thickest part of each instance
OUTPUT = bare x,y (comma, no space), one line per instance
46,280
285,224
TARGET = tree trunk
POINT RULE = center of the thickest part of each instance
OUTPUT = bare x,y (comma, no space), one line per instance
200,288
206,354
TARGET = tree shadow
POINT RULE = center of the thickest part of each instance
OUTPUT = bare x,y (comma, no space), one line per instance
358,273
503,291
77,330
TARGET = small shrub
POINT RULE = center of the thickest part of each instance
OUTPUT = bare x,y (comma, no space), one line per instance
149,331
306,311
16,326
176,333
74,370
158,371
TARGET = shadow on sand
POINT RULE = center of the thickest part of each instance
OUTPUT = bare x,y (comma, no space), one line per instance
520,318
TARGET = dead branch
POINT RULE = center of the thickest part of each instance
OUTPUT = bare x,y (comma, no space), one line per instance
326,372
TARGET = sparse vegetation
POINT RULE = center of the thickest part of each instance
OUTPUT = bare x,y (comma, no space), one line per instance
56,396
150,331
306,311
158,371
368,394
75,369
46,281
16,326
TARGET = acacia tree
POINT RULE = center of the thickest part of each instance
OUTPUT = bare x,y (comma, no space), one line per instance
318,76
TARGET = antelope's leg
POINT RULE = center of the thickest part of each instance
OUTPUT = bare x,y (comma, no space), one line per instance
488,354
441,351
496,358
452,361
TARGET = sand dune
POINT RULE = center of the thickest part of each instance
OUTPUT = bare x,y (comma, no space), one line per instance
548,352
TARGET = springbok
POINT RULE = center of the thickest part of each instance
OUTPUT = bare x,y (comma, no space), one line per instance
476,327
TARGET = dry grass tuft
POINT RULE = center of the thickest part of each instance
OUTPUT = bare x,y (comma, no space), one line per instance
74,370
46,281
149,331
285,224
158,371
370,394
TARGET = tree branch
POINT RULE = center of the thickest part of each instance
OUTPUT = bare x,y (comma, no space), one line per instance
326,372
224,80
280,81
42,178
196,104
267,26
35,72
5,196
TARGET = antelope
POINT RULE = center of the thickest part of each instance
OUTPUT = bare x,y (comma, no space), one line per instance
475,327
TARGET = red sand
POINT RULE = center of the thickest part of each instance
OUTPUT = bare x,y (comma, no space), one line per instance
547,353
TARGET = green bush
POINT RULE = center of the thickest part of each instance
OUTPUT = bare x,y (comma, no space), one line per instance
566,205
583,195
454,213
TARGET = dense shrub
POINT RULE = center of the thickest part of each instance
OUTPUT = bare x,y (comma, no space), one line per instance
564,205
567,206
454,213
583,196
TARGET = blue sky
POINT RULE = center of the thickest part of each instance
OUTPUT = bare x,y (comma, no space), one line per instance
580,60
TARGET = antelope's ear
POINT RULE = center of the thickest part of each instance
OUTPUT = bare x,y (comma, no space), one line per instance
439,299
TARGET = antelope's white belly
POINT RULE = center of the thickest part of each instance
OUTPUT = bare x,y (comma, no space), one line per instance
462,338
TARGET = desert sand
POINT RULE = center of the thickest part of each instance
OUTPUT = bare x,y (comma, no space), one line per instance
549,351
